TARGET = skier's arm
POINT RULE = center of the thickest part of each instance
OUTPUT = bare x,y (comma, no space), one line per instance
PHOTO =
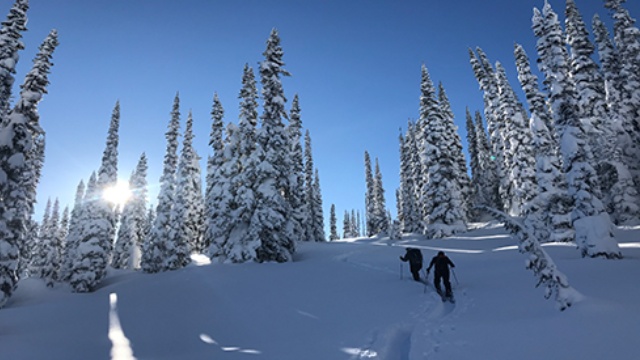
433,261
451,263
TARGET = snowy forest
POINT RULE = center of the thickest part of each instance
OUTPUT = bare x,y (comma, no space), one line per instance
261,192
562,167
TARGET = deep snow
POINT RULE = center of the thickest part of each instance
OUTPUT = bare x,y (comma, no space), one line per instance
340,300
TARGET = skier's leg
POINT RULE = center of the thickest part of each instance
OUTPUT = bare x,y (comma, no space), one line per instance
447,284
436,282
415,271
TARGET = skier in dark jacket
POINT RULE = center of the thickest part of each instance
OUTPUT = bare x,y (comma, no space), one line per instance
414,257
441,263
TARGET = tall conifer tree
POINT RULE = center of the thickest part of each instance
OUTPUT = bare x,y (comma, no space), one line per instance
21,155
454,146
552,206
519,158
493,168
296,178
369,198
73,236
333,225
443,199
593,226
158,245
98,221
272,222
186,220
237,245
10,44
409,160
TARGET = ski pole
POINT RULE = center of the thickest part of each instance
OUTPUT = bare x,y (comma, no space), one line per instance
454,276
401,271
426,281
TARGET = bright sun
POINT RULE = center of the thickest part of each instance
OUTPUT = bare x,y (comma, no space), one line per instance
117,194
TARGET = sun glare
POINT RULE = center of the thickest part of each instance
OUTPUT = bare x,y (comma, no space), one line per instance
117,194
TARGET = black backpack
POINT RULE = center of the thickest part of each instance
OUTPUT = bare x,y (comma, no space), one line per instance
414,256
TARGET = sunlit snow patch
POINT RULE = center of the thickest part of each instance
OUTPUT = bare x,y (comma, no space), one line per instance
208,340
360,353
120,348
200,260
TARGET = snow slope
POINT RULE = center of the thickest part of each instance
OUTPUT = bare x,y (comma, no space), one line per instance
341,300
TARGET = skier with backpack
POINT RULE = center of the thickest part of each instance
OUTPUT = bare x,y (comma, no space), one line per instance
441,263
414,257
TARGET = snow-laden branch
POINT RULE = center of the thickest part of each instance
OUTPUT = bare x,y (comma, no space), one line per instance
555,282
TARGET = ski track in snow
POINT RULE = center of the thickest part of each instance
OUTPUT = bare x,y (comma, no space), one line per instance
431,323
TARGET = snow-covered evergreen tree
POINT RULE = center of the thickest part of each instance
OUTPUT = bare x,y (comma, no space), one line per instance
186,221
73,235
333,224
609,64
198,209
242,159
487,191
218,195
159,244
123,247
455,148
606,131
519,155
61,239
148,225
409,214
381,222
443,199
369,197
271,222
11,263
139,217
48,249
552,205
495,176
588,81
619,169
131,233
474,162
594,233
32,91
627,40
18,167
318,218
296,177
346,225
43,245
91,255
98,220
10,44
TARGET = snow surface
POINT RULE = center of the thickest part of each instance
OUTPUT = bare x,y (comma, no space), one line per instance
340,300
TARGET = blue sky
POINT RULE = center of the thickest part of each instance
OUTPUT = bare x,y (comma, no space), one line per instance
355,65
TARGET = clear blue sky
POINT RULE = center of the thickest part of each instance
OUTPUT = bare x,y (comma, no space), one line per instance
355,65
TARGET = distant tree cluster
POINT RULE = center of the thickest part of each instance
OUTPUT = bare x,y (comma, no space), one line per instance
352,224
433,198
262,192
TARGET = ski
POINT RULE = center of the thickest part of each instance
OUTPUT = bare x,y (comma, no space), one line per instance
446,297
